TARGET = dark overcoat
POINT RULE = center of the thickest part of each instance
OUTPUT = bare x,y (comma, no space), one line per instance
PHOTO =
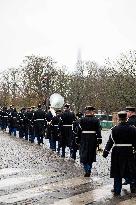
122,157
67,119
132,120
88,141
39,118
13,120
55,131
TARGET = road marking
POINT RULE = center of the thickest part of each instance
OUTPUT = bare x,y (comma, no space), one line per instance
41,190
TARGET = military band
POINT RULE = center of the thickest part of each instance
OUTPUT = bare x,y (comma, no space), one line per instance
81,131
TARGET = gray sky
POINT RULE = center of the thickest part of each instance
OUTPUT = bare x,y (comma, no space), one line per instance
58,28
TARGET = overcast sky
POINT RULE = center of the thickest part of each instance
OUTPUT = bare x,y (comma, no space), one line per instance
59,28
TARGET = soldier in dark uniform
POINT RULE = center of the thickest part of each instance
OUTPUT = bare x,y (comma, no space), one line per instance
90,136
49,117
31,127
29,119
0,117
131,115
123,137
67,119
55,131
13,121
4,118
10,110
39,118
21,118
26,123
75,139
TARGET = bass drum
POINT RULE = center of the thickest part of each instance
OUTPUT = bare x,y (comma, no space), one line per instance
56,101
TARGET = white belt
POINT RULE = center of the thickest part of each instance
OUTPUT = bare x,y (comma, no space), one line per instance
39,119
92,132
67,125
55,125
5,116
123,145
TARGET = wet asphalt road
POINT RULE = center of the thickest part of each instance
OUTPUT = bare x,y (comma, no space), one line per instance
33,174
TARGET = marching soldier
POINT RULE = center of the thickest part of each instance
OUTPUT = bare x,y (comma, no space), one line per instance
131,115
123,137
67,119
26,123
29,118
31,127
0,117
10,110
21,118
4,118
39,118
49,117
55,131
89,136
13,121
75,139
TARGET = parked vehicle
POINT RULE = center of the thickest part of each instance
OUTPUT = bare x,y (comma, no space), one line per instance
105,120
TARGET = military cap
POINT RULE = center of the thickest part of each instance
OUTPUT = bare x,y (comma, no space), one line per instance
33,107
122,114
89,108
11,105
79,114
23,108
67,105
39,105
58,111
131,109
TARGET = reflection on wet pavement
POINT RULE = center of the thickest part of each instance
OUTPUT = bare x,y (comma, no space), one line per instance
30,193
87,197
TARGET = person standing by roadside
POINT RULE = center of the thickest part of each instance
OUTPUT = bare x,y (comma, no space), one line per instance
123,137
89,137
